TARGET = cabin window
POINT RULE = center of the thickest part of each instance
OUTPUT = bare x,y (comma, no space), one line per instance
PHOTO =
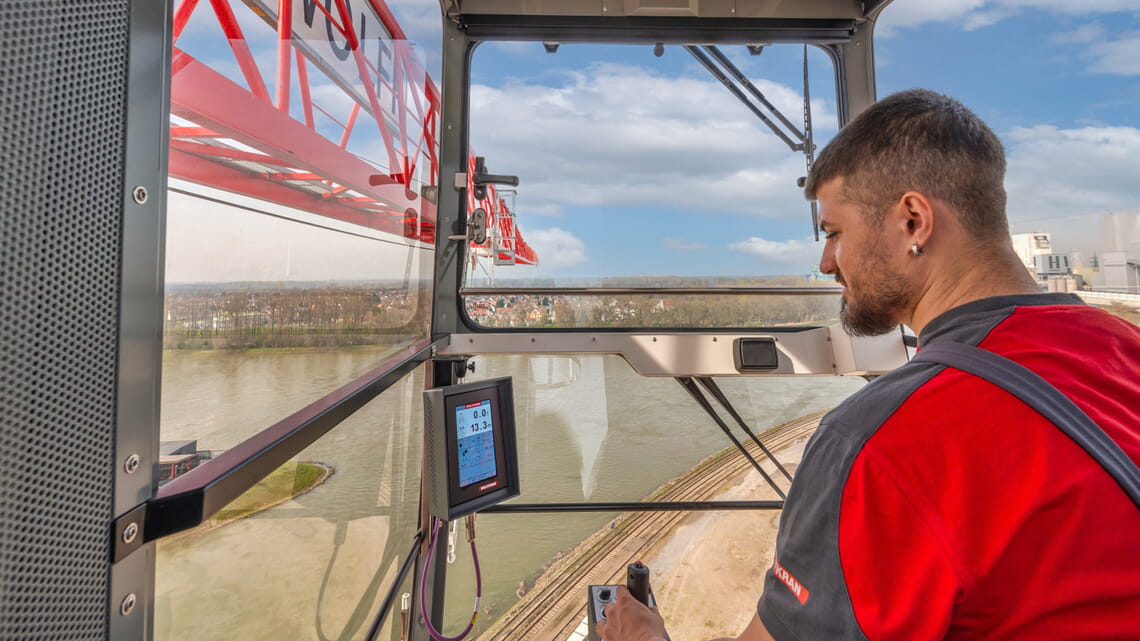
301,209
312,549
592,430
638,171
299,249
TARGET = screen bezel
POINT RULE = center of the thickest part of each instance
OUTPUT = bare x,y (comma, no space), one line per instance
504,483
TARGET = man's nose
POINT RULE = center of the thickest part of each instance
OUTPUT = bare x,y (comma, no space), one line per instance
827,259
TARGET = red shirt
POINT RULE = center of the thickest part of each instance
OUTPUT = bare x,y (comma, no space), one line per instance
967,515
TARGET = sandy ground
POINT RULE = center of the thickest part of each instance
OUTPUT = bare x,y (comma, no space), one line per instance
709,574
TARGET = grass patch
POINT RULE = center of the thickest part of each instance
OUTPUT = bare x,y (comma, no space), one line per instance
289,480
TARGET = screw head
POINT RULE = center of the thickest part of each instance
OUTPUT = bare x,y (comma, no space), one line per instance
139,194
128,604
131,465
130,532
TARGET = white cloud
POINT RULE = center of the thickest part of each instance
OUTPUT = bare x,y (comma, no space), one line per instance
802,254
1084,34
556,247
972,14
520,49
901,14
1120,56
682,245
616,136
1055,176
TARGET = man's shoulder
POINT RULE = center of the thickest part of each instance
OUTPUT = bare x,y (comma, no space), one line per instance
860,415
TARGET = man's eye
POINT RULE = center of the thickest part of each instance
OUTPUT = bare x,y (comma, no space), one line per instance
830,234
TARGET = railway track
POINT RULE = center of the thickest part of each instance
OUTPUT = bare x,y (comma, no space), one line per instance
556,605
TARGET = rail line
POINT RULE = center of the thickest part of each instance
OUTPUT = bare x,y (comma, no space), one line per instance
556,605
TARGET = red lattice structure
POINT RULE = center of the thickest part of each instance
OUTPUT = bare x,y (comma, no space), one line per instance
237,137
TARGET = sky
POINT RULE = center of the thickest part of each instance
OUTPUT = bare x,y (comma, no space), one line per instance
632,165
636,165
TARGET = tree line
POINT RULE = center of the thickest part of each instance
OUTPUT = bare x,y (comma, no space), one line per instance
327,316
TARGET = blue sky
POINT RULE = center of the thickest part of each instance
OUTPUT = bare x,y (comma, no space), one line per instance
633,165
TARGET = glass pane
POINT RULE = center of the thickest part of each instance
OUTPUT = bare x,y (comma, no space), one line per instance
646,170
321,548
592,429
659,310
301,208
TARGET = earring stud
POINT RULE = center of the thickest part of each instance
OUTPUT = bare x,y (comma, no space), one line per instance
914,249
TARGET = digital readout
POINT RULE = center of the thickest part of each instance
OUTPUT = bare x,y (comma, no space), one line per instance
476,440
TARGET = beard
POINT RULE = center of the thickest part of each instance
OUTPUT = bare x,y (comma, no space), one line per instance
884,295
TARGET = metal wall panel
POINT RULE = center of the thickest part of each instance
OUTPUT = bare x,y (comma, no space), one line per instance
63,71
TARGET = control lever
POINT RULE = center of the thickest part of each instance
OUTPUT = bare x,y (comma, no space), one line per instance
636,581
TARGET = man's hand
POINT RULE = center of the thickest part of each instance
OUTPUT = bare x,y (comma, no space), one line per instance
628,620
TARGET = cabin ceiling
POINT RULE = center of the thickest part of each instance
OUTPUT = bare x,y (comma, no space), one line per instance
663,21
780,9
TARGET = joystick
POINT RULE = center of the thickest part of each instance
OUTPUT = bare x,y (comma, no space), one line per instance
636,581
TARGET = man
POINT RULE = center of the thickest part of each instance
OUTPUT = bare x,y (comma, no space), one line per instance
933,504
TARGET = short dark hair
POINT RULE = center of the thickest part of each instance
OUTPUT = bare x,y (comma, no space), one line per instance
923,141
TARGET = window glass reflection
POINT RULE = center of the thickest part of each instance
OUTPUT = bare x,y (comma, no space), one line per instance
650,172
591,429
301,209
311,566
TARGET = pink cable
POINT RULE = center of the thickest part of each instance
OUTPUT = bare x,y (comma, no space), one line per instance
436,634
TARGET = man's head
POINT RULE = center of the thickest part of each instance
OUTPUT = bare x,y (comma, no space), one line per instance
922,141
911,162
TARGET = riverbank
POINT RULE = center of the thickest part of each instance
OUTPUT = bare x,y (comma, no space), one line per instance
286,483
707,567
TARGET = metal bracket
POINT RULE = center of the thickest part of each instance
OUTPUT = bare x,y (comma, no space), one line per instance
460,365
482,179
127,533
476,228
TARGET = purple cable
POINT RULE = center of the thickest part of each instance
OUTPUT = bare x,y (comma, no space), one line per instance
436,634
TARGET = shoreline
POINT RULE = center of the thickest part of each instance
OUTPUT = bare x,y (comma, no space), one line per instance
327,470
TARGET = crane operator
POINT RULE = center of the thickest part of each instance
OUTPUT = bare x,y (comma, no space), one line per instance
933,504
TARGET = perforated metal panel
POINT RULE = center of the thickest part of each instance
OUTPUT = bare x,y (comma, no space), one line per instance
62,115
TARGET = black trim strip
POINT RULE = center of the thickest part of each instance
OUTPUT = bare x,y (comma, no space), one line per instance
189,500
650,291
637,506
652,29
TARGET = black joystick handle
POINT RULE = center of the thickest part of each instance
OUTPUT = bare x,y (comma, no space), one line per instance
637,580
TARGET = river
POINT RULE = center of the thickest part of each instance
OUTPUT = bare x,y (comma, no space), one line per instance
317,566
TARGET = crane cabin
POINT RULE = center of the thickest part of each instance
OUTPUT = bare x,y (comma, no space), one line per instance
293,287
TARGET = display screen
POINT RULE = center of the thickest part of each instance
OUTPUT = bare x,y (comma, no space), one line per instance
475,434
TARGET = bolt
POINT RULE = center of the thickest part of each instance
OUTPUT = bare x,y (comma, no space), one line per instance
131,465
130,532
128,604
139,194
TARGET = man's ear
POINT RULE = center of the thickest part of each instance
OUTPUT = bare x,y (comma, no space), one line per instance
914,216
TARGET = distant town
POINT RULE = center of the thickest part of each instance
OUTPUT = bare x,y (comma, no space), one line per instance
331,314
255,315
251,315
